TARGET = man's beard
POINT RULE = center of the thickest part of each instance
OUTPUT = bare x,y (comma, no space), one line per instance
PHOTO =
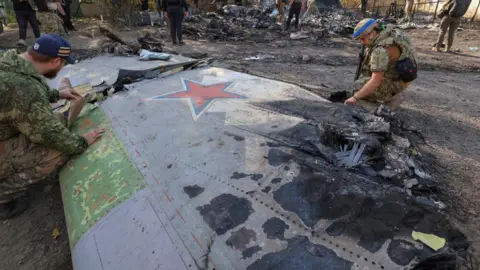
52,73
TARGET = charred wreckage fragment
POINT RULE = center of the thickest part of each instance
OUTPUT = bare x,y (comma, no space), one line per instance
117,45
354,171
237,23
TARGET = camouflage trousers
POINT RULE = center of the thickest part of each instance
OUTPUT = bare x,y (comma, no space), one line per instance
450,25
389,93
51,23
409,10
24,163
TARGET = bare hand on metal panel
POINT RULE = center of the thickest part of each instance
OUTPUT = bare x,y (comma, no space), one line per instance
165,14
69,93
351,101
94,135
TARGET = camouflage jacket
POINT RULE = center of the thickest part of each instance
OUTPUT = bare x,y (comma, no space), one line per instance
377,57
25,107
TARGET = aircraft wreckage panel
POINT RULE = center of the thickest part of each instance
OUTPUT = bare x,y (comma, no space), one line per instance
105,69
230,194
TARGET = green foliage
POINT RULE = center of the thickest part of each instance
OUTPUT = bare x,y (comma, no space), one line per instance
11,17
350,3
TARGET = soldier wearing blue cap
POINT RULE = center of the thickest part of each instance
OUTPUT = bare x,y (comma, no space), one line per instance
33,141
388,67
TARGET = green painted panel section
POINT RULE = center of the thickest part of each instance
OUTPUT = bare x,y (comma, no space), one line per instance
97,180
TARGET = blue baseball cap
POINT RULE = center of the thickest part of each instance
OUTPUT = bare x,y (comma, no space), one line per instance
54,46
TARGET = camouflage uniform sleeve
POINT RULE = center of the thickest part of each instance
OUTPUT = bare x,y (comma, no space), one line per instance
380,60
53,95
36,120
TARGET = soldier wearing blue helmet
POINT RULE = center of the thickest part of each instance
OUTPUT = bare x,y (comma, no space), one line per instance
388,67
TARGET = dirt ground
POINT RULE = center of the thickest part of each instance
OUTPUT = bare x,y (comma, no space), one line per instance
442,104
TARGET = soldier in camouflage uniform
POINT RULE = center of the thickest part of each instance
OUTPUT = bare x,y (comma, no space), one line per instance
33,141
379,81
50,21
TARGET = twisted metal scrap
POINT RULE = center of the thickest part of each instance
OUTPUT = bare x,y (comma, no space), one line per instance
350,158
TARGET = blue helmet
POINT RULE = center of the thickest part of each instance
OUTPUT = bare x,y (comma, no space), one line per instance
364,27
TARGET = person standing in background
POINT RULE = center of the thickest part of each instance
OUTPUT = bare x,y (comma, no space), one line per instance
281,10
160,12
50,21
25,14
408,11
451,14
3,17
175,11
295,8
67,18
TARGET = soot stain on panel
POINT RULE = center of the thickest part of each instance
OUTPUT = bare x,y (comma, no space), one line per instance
274,228
193,191
312,198
276,180
254,177
374,240
266,189
375,222
301,254
277,157
401,252
336,228
241,238
237,175
247,253
412,218
225,212
235,137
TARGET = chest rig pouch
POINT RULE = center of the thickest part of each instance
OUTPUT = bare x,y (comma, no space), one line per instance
406,66
407,69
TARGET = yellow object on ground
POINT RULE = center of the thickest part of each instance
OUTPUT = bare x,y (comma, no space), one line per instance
432,241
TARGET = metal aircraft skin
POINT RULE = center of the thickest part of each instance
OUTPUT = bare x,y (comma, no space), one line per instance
194,172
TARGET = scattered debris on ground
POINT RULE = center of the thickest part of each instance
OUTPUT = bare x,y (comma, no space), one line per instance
237,23
117,45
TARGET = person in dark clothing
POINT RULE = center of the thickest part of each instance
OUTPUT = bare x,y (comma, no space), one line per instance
175,11
67,18
25,14
144,5
295,8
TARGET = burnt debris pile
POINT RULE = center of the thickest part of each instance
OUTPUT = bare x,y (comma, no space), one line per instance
237,23
335,22
116,44
352,138
230,23
353,171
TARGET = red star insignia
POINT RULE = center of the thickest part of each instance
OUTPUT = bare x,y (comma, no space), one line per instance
200,97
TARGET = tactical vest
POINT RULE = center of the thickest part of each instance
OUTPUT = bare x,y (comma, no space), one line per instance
385,38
